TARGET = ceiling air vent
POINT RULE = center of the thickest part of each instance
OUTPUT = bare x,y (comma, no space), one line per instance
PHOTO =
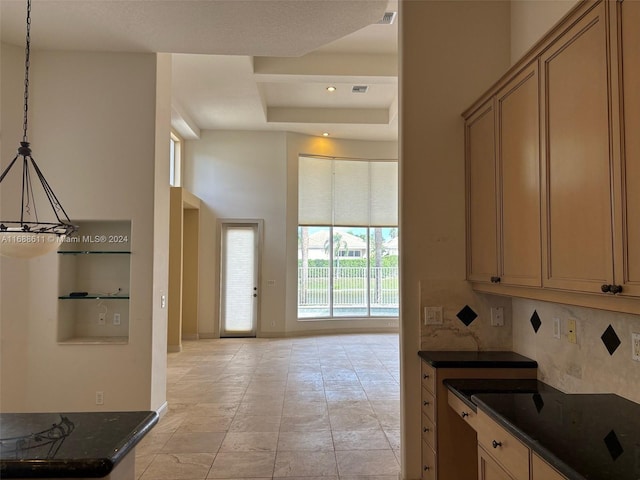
388,18
360,89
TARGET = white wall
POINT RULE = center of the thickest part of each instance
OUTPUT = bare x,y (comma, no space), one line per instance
92,129
450,53
244,174
531,19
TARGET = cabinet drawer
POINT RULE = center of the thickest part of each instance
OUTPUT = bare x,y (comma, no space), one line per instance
428,377
463,410
428,404
428,431
428,463
503,446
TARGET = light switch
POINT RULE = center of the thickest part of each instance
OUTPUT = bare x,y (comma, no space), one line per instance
433,315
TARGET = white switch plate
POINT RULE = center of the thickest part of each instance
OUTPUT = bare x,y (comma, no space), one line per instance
635,346
116,319
556,327
433,315
497,316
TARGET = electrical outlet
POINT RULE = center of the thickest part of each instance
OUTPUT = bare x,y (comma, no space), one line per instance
635,346
99,398
116,319
433,315
572,334
102,319
556,327
497,316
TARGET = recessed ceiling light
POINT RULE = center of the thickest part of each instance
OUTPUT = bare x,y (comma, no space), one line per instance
331,89
325,134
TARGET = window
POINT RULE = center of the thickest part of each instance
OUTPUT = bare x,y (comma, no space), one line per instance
347,238
175,161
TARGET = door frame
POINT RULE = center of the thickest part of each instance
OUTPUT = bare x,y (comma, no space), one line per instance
258,223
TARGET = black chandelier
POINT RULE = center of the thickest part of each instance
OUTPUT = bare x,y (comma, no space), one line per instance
29,237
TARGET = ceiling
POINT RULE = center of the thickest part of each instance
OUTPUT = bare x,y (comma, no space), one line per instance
243,64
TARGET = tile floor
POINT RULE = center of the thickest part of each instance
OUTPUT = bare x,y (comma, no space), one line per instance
323,406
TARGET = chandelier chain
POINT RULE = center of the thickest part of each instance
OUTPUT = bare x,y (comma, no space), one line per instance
25,122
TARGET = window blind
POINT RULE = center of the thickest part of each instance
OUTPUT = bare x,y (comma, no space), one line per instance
347,192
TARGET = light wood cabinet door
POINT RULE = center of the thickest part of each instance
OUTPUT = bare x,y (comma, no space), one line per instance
482,224
577,231
541,470
488,469
628,194
519,177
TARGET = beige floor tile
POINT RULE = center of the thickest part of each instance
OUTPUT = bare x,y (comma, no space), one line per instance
243,464
250,442
255,423
152,443
367,462
205,424
354,421
302,423
213,409
296,407
257,408
194,442
307,440
360,440
393,435
305,464
188,466
142,462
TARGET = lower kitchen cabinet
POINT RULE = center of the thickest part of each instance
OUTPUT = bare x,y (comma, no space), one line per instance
541,470
488,468
449,443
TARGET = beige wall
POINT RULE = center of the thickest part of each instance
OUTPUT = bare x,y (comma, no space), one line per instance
243,174
450,53
531,19
92,128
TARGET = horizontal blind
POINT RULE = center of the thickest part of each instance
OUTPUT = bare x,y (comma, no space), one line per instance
347,192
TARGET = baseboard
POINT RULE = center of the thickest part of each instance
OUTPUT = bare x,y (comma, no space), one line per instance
202,336
164,408
342,331
190,336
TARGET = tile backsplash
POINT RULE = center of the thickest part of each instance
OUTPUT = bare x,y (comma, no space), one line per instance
600,361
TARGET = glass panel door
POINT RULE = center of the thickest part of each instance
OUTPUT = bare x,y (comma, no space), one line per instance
239,280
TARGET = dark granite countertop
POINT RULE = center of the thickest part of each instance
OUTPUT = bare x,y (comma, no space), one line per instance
584,436
471,359
465,388
69,445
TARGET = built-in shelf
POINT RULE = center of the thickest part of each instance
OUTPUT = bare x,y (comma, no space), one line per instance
96,260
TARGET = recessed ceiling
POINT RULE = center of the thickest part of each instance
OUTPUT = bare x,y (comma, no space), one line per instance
250,64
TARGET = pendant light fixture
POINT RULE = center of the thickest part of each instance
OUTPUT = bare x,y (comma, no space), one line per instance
28,237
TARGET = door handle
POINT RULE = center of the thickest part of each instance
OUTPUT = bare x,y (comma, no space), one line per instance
255,295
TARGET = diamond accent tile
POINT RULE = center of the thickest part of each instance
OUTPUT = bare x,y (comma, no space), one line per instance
613,445
538,402
535,321
610,340
467,315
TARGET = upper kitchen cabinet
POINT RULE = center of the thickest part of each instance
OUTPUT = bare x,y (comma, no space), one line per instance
577,162
519,179
553,166
482,224
626,19
503,184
